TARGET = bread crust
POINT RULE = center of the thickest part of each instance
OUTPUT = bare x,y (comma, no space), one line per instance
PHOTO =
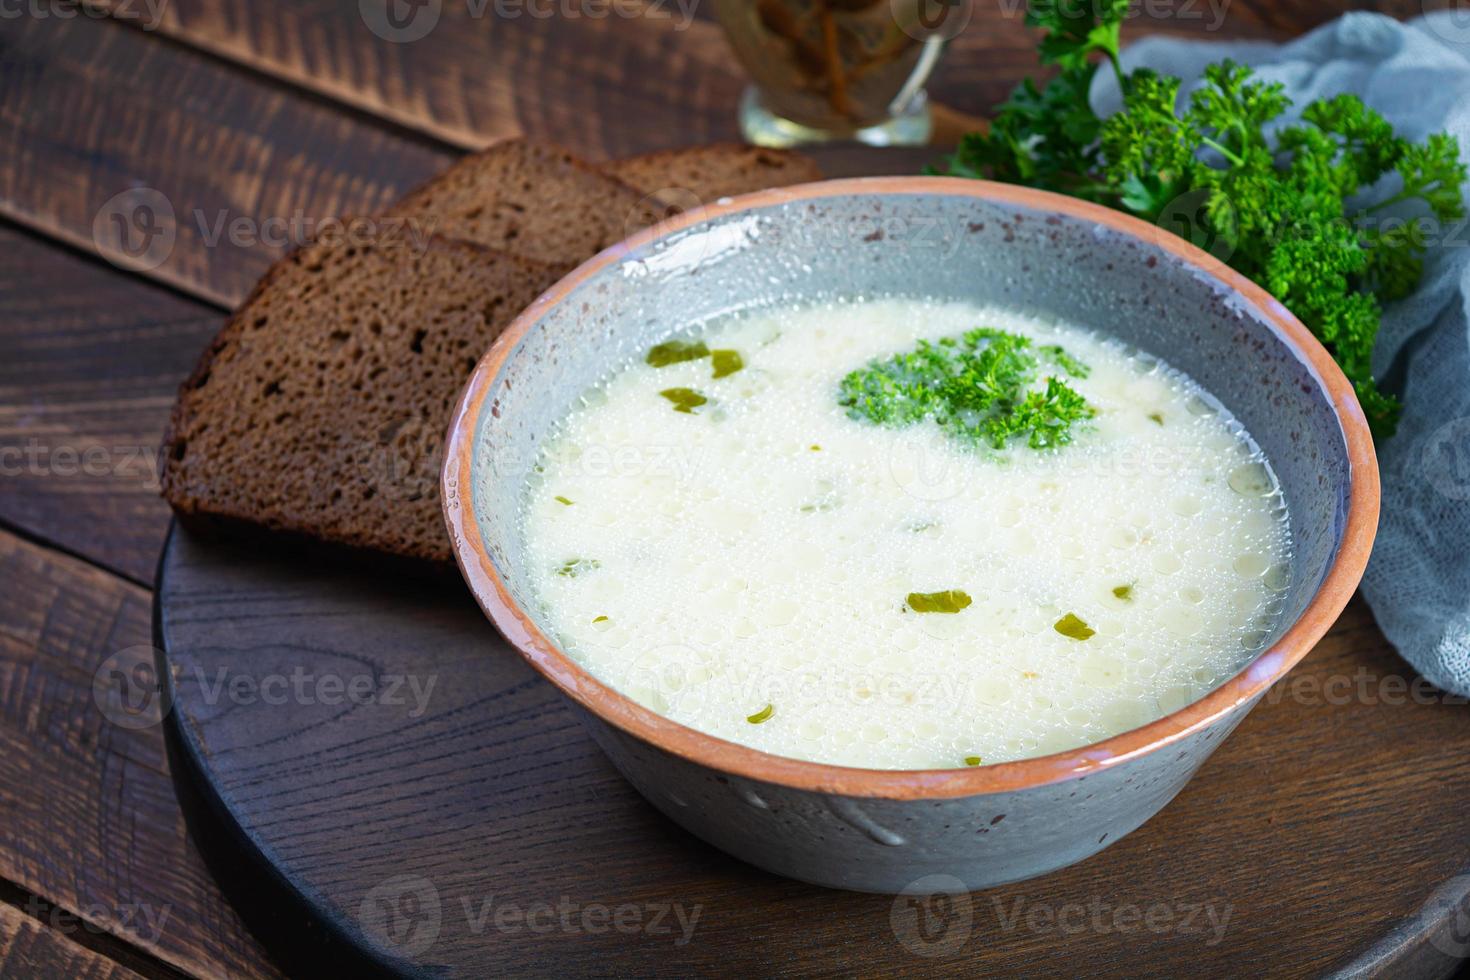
184,497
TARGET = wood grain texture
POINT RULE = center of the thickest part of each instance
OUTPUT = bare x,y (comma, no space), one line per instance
651,75
221,170
86,386
217,182
1321,826
32,949
88,818
604,84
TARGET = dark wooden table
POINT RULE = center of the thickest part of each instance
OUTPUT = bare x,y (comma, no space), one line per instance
246,119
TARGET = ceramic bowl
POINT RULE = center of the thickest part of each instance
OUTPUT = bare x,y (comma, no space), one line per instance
875,830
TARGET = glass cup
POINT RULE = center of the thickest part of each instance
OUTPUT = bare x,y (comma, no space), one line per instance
838,69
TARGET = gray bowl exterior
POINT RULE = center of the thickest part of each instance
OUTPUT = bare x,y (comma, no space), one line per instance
888,846
930,245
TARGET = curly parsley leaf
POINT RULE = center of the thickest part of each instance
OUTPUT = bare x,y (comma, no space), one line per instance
1283,201
981,387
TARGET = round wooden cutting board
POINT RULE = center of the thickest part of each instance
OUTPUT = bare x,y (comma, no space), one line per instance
380,783
377,779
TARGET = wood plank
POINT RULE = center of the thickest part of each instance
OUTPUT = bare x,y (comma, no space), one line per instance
86,386
30,949
604,85
219,181
616,83
88,818
234,166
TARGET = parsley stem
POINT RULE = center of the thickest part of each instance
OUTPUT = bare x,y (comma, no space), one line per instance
1409,193
1118,72
1223,150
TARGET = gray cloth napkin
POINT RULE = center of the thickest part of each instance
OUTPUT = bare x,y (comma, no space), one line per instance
1418,75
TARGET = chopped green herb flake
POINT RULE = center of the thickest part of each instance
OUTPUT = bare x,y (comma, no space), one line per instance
762,715
1156,417
562,500
973,760
984,386
948,601
676,352
1124,592
727,362
1058,355
599,619
815,448
1074,628
685,400
573,567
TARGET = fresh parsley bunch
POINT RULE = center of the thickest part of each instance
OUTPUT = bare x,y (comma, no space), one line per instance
984,386
1280,203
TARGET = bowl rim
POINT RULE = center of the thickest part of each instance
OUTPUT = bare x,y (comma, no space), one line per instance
625,714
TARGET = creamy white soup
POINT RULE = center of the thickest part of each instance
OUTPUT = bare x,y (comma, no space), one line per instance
894,533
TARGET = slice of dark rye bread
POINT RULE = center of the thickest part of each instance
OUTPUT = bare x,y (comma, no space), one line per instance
321,407
707,173
531,199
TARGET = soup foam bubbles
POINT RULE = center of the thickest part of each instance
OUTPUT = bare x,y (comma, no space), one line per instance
758,551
